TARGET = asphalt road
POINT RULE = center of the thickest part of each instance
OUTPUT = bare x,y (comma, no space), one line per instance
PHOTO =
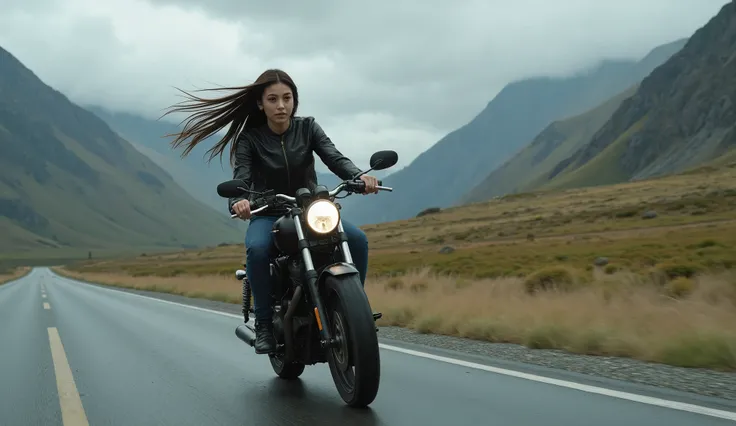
75,354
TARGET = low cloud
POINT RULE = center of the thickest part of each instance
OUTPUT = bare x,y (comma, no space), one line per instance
377,75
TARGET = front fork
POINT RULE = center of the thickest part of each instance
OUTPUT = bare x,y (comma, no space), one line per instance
348,257
311,277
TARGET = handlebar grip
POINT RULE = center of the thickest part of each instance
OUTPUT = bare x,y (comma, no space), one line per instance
254,205
359,186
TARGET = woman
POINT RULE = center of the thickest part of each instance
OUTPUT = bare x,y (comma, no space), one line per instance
273,149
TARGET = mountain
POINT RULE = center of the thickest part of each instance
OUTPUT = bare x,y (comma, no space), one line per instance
192,172
682,115
457,163
68,181
558,141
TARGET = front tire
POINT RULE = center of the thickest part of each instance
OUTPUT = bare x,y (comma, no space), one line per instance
355,363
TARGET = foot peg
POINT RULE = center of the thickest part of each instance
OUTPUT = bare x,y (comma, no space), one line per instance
376,317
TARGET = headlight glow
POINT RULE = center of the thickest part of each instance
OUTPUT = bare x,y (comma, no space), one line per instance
322,216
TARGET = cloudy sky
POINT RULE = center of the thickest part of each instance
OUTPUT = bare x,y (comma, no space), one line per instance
377,74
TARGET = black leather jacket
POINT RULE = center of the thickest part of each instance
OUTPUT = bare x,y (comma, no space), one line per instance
285,163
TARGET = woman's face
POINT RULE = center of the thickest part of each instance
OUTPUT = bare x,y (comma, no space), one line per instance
278,103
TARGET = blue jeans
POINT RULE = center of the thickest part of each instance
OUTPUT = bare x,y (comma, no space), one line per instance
257,256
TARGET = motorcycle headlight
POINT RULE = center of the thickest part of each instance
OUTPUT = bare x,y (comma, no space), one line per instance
323,216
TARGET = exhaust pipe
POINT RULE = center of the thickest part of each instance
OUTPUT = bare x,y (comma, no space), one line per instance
246,333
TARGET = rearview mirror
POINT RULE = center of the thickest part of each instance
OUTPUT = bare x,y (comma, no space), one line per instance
240,274
383,159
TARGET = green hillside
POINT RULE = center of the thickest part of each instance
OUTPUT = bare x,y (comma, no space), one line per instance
531,166
69,183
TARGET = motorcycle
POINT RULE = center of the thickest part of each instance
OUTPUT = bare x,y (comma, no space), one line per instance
321,312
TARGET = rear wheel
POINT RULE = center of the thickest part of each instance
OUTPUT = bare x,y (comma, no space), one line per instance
286,371
355,362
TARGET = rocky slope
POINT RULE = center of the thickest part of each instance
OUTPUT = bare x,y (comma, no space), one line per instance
682,115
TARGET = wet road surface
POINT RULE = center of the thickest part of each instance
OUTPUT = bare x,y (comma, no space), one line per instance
75,354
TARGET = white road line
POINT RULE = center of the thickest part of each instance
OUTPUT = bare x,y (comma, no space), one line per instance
681,406
43,295
572,385
72,412
46,305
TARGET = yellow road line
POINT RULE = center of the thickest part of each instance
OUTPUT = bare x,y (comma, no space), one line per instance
72,412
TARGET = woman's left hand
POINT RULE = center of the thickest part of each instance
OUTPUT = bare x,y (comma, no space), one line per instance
370,184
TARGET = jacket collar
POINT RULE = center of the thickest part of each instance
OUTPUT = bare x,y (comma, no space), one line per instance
267,129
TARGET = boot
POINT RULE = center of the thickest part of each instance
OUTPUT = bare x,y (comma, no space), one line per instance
265,342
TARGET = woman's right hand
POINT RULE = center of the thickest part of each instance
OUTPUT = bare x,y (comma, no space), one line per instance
242,209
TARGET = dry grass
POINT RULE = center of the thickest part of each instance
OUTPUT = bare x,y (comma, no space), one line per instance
697,197
685,322
521,269
691,249
16,273
680,321
210,287
518,234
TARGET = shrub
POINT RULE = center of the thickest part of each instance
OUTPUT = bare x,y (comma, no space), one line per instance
674,270
555,278
680,287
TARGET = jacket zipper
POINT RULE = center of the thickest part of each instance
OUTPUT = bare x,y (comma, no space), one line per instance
288,173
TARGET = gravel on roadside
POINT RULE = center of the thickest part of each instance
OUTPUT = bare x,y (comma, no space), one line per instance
698,381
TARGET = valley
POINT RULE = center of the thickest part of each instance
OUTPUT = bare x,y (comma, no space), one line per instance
565,214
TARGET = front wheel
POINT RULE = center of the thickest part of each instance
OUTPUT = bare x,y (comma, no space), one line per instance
355,361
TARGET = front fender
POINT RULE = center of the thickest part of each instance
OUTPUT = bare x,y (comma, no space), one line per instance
335,270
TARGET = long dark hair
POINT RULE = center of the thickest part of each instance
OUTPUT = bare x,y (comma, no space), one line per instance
239,110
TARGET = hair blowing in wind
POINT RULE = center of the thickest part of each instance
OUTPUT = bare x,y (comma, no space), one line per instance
238,110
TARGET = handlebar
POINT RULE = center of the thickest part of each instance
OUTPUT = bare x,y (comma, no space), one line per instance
353,186
357,186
